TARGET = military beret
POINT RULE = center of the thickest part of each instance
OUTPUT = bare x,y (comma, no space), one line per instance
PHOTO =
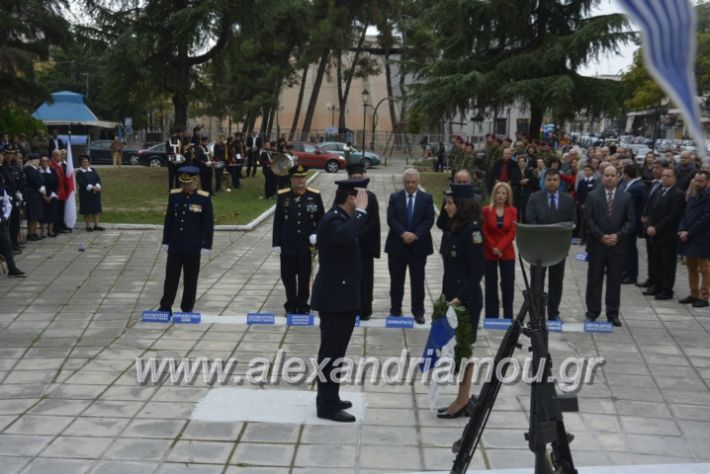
349,184
355,168
460,190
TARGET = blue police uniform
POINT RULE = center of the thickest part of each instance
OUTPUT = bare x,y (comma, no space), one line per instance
295,220
188,229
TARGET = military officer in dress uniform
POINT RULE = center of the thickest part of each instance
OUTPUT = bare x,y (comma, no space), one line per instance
187,235
336,290
173,147
204,164
369,244
298,211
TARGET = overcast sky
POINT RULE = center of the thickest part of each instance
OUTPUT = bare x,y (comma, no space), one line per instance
611,63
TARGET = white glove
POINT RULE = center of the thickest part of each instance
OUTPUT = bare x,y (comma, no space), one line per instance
164,248
89,187
97,186
205,252
18,195
53,195
277,250
312,239
43,190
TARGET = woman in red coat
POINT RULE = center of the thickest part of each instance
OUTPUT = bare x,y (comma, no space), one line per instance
498,235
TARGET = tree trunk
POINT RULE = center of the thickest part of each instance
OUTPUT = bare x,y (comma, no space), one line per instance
297,113
390,92
536,115
269,128
182,88
343,95
314,95
339,82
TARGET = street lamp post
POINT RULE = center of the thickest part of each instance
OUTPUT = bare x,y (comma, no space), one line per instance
365,103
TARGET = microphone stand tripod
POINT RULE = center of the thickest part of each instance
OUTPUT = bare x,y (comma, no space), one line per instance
546,423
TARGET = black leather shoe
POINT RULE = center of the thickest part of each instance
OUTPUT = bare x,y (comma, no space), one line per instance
651,292
616,322
16,274
63,231
662,296
701,303
365,317
99,228
628,281
396,313
688,300
339,416
419,318
645,284
345,404
591,317
447,416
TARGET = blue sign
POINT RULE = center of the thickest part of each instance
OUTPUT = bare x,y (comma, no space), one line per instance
300,319
403,322
554,326
187,318
261,318
581,256
357,321
155,317
601,326
497,324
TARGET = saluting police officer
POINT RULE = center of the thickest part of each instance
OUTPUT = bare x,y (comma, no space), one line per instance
187,234
336,290
298,211
369,244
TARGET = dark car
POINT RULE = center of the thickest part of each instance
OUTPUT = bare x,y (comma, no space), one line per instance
312,156
100,152
155,156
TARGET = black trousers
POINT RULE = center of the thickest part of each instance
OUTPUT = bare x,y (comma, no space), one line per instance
236,173
189,265
631,262
652,264
598,266
554,287
206,179
507,287
335,332
14,226
367,263
218,176
296,277
252,161
172,176
665,259
59,216
6,246
398,268
269,182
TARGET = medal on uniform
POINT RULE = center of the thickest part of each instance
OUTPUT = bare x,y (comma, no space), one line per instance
477,237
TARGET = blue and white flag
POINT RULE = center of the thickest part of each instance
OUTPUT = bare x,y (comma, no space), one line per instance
668,30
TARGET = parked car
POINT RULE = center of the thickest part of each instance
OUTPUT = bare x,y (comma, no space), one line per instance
371,159
100,153
312,156
638,152
155,156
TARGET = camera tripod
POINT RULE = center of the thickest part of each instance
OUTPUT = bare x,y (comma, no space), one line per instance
546,424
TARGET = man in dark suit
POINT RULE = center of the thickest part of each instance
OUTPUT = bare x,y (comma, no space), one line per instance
336,290
55,143
187,235
663,214
369,244
550,206
611,221
254,144
637,190
410,216
654,186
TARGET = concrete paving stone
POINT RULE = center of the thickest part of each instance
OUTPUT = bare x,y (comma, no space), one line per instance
687,397
107,427
109,408
39,425
189,468
271,433
205,430
691,412
23,390
138,449
57,466
390,457
389,416
147,428
248,454
643,409
29,376
266,470
644,425
191,451
22,445
13,464
510,458
695,429
89,447
122,467
172,410
658,445
648,394
330,434
74,391
324,456
441,459
632,458
389,436
179,394
125,392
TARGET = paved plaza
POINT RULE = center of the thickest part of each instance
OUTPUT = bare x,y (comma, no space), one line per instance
70,402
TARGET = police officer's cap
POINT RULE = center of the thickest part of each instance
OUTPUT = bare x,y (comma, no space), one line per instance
298,170
352,184
11,149
186,174
33,156
355,168
460,190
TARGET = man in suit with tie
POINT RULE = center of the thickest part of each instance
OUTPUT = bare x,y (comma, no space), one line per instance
410,216
254,144
655,185
637,190
550,206
610,218
663,215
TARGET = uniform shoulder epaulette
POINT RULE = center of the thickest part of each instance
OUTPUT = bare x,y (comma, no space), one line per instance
203,193
313,190
284,190
176,190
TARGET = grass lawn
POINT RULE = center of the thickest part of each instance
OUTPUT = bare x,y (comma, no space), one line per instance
435,184
139,195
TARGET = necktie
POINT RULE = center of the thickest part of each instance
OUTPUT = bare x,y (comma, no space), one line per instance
410,210
552,202
609,203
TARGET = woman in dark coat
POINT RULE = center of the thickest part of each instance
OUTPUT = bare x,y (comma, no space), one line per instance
89,183
34,196
462,252
694,233
49,198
